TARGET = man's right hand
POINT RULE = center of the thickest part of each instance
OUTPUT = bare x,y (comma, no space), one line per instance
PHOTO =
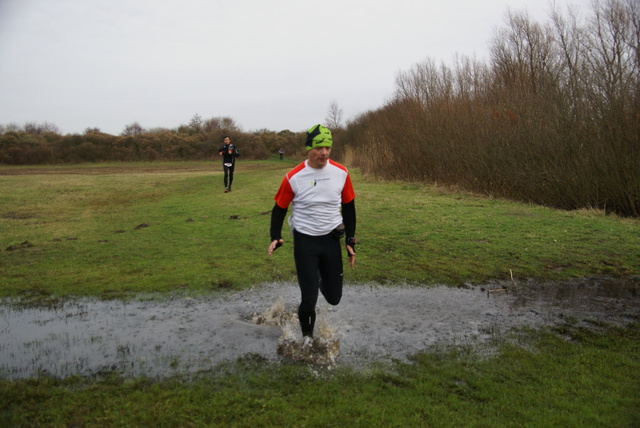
274,245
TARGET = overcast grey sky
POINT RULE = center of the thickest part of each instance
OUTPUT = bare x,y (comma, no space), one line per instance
275,64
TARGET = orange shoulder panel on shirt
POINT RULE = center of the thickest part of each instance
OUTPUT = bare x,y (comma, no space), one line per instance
285,193
348,194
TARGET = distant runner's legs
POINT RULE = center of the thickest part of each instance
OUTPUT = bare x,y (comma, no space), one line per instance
226,176
231,168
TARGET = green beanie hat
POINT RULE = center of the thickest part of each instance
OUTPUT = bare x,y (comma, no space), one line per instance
318,136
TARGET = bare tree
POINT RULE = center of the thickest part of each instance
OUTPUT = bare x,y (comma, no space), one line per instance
12,127
132,129
425,83
196,123
522,54
334,116
613,50
230,125
220,123
36,128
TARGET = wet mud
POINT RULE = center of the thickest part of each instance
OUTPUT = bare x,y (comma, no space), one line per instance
161,337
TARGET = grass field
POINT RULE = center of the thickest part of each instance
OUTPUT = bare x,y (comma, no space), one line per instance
116,230
120,229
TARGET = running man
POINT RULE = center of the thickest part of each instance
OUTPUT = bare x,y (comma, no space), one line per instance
323,210
229,153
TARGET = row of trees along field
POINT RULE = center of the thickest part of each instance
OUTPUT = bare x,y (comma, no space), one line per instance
552,117
42,143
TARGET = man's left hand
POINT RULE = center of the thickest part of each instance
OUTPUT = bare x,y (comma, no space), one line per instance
352,255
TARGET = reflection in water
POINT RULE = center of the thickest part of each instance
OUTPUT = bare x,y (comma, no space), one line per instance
161,337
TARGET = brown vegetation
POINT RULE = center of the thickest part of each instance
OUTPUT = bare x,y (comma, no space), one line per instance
36,144
553,118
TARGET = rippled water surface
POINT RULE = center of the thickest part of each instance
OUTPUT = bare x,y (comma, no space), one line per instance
160,337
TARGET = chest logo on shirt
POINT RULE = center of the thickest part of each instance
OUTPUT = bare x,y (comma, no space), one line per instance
318,180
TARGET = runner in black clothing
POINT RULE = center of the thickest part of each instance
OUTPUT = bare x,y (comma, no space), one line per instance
229,153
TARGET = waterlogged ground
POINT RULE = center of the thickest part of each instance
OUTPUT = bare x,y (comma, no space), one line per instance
160,337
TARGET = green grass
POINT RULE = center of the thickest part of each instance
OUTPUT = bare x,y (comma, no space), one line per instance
72,230
68,231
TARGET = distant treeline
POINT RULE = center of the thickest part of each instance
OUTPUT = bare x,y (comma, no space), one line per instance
36,143
553,118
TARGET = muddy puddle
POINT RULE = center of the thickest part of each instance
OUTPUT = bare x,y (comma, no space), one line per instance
160,337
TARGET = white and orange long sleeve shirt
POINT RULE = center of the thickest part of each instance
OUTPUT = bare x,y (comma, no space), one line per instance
316,196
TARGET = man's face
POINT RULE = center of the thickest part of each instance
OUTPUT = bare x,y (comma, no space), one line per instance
227,140
318,157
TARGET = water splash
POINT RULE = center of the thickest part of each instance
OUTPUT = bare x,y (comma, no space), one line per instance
324,349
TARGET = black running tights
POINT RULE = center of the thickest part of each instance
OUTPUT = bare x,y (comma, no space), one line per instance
228,175
319,267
